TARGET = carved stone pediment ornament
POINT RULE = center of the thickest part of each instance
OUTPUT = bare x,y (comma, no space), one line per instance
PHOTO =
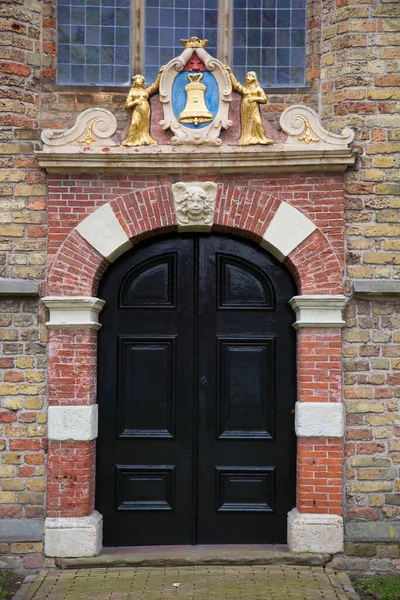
303,127
195,204
184,96
94,126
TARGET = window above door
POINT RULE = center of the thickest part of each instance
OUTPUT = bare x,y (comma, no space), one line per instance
103,42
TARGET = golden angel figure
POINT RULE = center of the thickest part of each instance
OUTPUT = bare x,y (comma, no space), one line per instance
138,103
253,96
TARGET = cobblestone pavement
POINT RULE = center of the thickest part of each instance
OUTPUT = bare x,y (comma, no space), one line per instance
187,583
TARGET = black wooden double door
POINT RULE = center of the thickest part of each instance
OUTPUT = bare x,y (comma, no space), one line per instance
196,386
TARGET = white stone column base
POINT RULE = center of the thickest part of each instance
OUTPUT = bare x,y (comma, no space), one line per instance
321,533
73,537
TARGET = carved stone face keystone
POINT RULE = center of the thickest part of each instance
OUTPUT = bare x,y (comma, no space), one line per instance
195,204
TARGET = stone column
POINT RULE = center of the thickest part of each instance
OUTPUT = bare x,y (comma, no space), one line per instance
72,528
316,524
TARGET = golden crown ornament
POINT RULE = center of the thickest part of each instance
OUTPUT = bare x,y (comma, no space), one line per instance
194,42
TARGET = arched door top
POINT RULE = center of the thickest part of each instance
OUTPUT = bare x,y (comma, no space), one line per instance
286,232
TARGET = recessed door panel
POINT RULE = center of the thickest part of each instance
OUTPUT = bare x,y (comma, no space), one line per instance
145,488
246,388
146,380
196,386
248,489
150,284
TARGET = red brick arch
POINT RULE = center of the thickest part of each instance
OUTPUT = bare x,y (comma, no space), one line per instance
240,210
247,211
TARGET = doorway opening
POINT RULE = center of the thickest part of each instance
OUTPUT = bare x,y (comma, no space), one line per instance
196,386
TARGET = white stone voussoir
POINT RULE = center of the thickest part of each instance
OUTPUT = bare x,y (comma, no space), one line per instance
103,231
320,533
73,537
322,310
76,423
73,312
287,229
319,419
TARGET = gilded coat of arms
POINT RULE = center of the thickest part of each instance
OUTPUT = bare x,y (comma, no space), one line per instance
195,91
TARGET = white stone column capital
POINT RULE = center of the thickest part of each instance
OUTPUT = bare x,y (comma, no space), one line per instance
73,312
319,310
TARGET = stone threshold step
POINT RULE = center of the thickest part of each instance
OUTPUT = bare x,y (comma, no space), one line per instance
173,556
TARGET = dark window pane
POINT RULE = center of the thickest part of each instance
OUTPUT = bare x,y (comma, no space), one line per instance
254,38
122,55
64,73
282,76
211,19
92,35
181,20
283,19
166,37
121,75
92,75
269,57
63,15
107,74
78,35
92,16
107,16
122,36
254,18
269,18
107,36
283,57
107,55
78,16
122,16
298,38
64,54
283,37
239,56
299,18
92,55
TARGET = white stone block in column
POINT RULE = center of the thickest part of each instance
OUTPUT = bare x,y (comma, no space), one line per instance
73,537
321,533
103,231
75,423
287,229
320,310
319,419
73,312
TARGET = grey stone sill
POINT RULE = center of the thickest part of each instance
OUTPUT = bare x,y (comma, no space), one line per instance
375,289
19,287
21,530
372,531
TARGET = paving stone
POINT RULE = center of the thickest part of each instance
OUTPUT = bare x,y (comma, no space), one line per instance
249,582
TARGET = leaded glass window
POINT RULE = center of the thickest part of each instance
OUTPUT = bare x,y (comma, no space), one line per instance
269,38
168,21
93,42
103,42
